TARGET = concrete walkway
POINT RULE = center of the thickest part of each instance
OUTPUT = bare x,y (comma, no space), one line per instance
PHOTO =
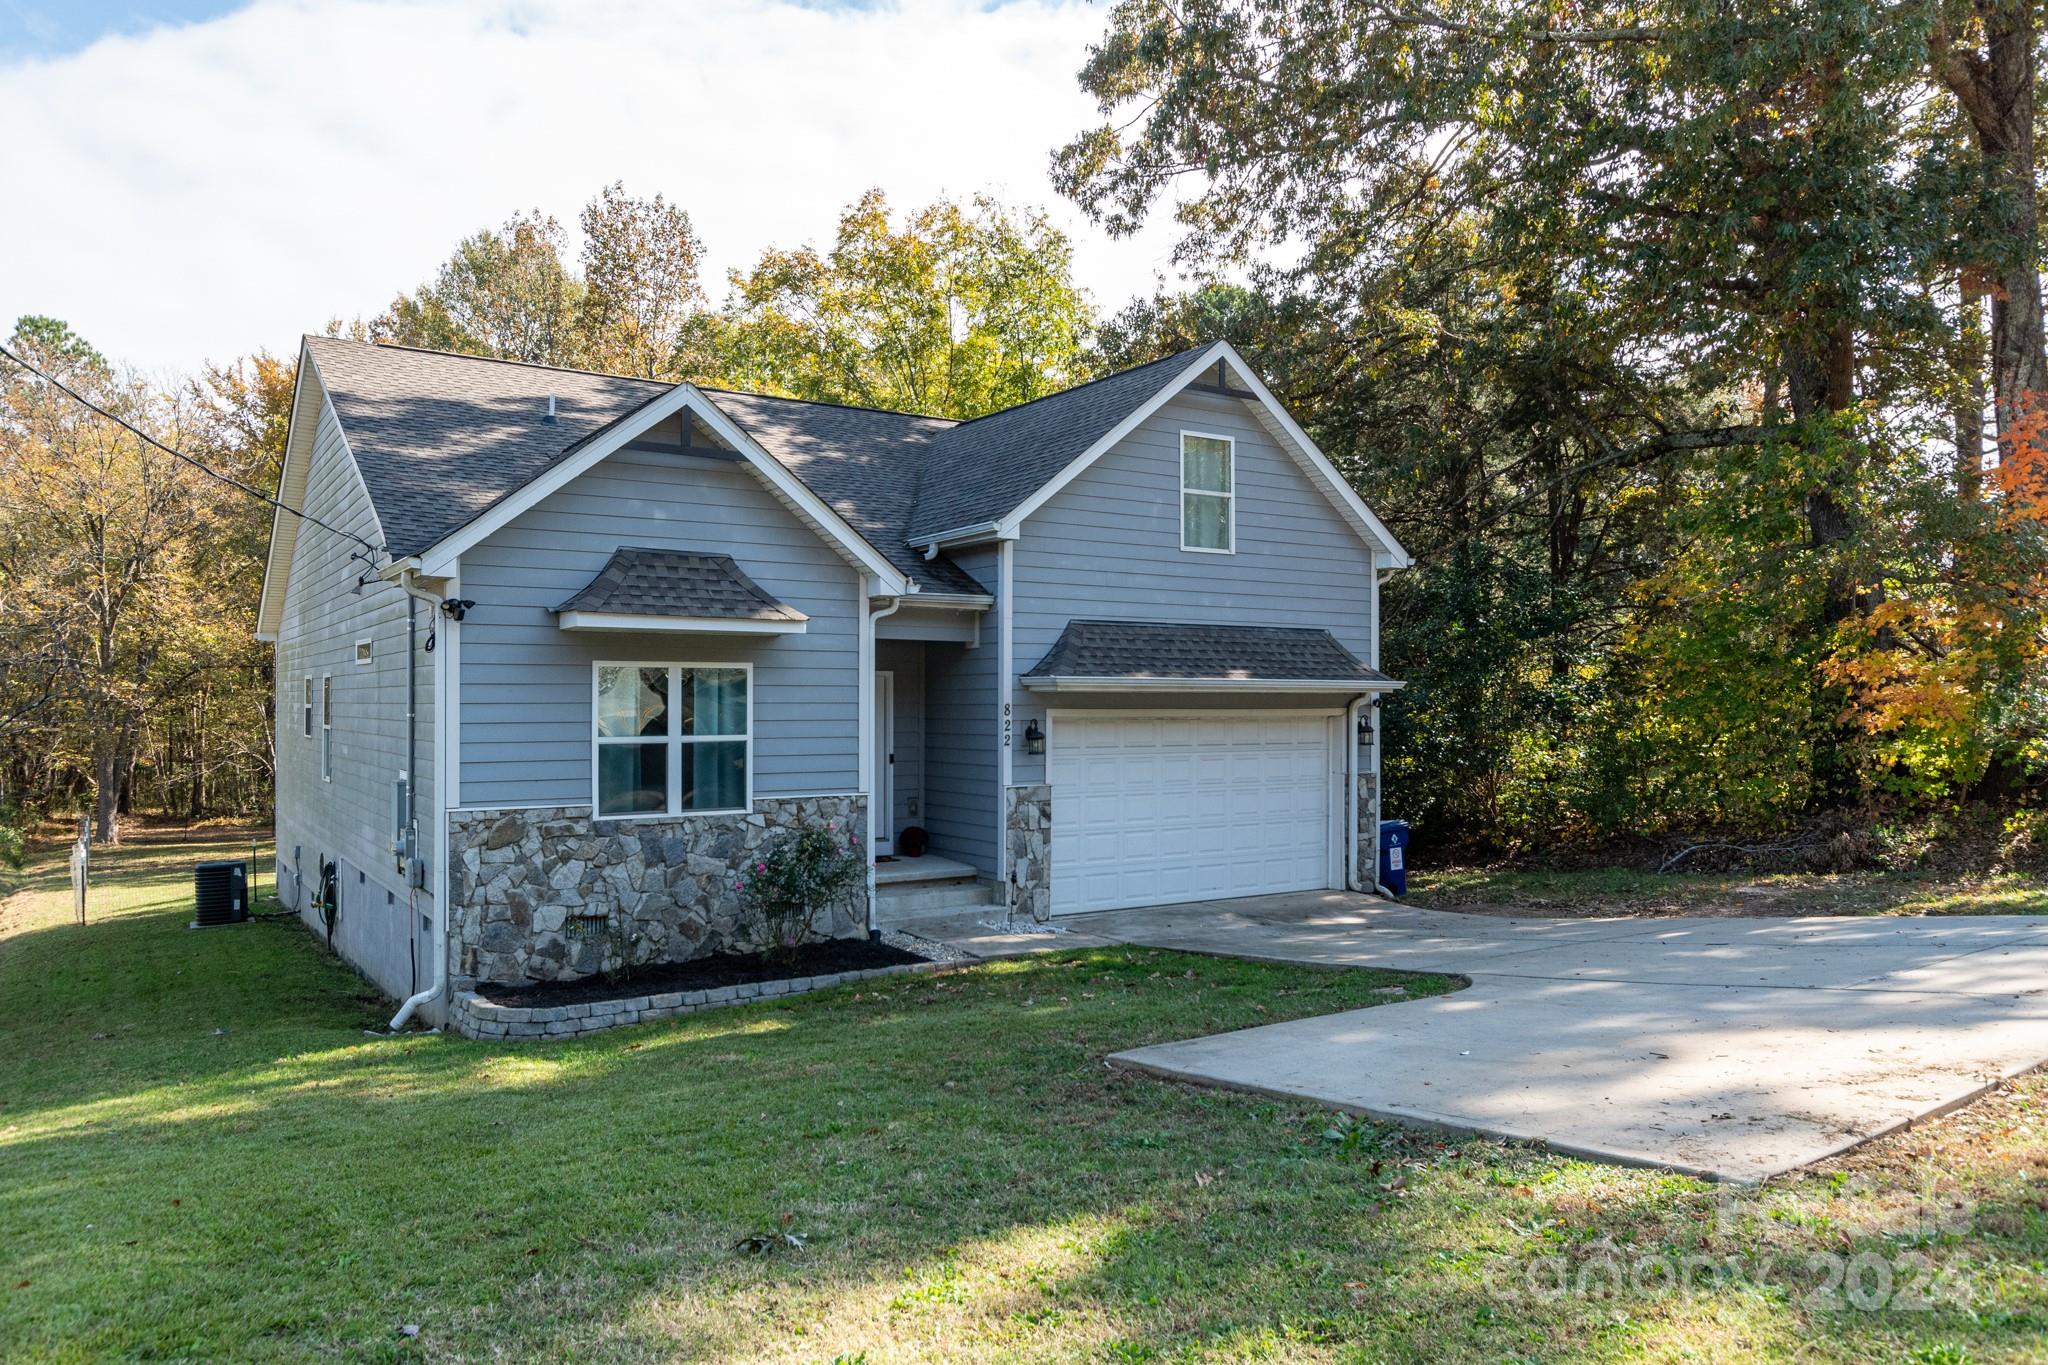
1728,1048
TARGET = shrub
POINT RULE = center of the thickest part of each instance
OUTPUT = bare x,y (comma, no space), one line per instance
13,840
795,878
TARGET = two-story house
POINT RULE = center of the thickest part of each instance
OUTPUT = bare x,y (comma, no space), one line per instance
554,646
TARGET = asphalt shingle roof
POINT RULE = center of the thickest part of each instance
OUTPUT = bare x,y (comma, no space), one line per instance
651,582
1150,650
979,471
863,462
441,438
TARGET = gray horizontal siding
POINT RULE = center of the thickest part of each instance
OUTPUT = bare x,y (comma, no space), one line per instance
350,819
526,684
905,659
1107,546
961,774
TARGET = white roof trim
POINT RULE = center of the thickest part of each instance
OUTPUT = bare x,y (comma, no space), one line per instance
693,625
789,489
300,446
1085,683
1321,472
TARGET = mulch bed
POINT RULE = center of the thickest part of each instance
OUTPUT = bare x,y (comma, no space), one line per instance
705,973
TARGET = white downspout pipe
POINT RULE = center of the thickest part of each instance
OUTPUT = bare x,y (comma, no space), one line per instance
870,731
440,982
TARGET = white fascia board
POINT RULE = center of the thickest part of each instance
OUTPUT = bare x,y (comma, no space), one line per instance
692,625
291,491
1061,683
787,486
950,601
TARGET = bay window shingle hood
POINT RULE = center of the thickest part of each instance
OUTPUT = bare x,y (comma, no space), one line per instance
678,590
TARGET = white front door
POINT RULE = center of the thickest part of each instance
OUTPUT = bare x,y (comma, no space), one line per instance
885,762
1158,809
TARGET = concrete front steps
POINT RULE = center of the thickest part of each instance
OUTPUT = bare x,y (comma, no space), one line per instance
911,890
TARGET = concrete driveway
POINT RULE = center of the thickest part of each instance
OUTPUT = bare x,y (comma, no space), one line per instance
1729,1048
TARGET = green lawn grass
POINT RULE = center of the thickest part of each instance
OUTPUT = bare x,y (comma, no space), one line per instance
204,1156
1627,891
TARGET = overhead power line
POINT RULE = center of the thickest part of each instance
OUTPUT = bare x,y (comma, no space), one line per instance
230,480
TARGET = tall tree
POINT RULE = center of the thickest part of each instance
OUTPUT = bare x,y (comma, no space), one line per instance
958,312
504,293
640,289
1986,53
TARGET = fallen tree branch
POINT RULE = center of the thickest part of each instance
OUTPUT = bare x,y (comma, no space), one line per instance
1804,841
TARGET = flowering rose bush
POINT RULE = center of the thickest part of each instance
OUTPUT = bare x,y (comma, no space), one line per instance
795,878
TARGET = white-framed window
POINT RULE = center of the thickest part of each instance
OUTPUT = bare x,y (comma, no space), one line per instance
363,651
671,739
306,720
1208,493
326,727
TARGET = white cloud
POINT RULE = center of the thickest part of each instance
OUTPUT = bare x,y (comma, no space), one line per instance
200,191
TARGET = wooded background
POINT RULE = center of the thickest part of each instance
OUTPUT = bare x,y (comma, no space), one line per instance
1694,349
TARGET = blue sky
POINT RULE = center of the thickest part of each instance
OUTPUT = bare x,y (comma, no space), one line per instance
214,178
39,28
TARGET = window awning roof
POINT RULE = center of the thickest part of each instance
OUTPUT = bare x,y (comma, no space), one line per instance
1140,656
678,590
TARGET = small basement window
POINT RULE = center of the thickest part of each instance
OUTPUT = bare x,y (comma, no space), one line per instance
672,739
1208,497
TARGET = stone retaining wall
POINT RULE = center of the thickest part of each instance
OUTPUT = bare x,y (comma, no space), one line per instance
472,1016
555,895
1027,822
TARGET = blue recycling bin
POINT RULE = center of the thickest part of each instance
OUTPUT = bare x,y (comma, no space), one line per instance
1394,856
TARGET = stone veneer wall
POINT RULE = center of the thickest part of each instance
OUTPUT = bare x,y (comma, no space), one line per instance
1027,819
553,894
1368,830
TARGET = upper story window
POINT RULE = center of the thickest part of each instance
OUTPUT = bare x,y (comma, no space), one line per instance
673,739
307,718
1208,495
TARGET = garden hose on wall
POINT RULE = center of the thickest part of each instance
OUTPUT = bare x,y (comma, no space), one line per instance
330,897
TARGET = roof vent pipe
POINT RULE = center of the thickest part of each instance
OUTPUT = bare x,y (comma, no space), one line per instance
550,418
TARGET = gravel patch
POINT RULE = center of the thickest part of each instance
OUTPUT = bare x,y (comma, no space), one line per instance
930,949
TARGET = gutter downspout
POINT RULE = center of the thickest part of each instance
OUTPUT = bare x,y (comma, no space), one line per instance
412,806
874,779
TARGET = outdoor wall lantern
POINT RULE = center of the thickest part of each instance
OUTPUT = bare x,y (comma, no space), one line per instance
1034,738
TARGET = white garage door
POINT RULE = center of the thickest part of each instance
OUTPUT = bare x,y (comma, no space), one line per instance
1154,809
